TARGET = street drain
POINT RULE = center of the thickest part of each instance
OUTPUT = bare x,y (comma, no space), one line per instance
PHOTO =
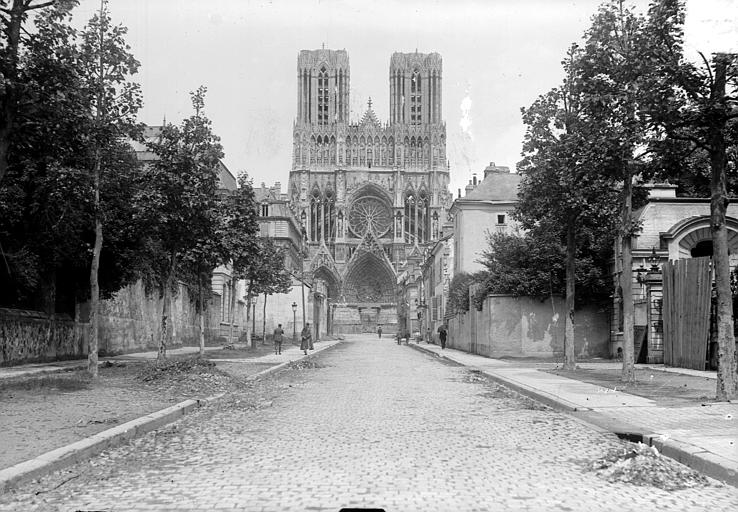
633,437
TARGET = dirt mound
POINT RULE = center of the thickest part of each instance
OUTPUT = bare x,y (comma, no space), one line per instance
643,465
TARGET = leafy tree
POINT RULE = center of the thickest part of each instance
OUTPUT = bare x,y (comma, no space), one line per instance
281,279
241,227
43,198
562,155
458,293
621,74
697,112
182,187
13,89
232,230
263,269
106,68
523,265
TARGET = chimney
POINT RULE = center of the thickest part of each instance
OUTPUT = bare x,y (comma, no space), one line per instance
661,190
278,187
495,169
468,188
459,193
474,178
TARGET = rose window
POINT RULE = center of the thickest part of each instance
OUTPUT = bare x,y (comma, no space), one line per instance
369,212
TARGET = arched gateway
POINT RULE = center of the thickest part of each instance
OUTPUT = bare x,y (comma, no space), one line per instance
367,193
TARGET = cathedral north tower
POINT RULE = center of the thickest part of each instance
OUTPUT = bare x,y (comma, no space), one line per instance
323,84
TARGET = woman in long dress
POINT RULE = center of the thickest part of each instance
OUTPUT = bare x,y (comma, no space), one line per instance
307,339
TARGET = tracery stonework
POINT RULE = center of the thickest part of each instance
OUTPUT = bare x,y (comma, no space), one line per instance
369,213
368,192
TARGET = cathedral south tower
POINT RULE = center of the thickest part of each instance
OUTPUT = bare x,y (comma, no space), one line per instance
369,194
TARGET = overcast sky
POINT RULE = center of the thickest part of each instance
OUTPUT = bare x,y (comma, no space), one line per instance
498,56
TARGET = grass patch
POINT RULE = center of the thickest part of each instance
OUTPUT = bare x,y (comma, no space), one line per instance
65,382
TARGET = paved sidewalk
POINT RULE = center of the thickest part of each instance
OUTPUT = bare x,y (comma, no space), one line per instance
37,369
701,435
8,373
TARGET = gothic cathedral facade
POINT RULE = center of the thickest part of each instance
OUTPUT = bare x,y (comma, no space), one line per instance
369,194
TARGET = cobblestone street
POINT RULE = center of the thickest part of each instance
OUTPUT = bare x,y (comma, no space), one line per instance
373,424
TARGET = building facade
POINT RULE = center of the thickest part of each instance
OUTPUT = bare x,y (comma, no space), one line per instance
672,228
277,221
486,208
367,193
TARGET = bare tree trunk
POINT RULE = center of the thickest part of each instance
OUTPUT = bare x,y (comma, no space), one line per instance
264,321
626,281
570,358
249,337
97,248
201,293
166,320
94,269
232,307
727,388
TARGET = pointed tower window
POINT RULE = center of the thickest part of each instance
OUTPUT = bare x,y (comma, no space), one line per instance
323,96
416,88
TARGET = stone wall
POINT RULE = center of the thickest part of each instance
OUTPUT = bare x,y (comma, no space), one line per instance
129,322
528,327
364,319
30,336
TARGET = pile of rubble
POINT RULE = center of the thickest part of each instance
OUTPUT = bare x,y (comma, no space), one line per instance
640,464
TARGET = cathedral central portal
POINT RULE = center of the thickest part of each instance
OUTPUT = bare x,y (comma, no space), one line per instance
368,194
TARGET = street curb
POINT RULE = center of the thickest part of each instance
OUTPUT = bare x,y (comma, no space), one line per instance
60,458
67,455
540,396
705,462
281,365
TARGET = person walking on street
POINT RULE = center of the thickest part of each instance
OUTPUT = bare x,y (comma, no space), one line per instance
442,335
307,339
379,331
278,334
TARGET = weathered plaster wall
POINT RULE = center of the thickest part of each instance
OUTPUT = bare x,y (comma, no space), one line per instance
527,327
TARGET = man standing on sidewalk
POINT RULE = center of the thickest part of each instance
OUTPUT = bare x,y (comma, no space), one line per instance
379,331
442,335
278,334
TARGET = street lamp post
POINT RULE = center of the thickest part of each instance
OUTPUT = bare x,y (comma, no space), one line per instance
294,323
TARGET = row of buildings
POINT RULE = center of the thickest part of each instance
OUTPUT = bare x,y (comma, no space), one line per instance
367,206
373,237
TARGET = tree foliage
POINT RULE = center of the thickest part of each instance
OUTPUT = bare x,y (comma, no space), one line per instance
263,269
14,88
182,185
47,196
458,293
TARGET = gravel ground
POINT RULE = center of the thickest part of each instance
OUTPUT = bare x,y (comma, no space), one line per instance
40,415
663,387
373,425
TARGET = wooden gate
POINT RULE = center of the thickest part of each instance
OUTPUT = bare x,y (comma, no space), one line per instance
686,312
